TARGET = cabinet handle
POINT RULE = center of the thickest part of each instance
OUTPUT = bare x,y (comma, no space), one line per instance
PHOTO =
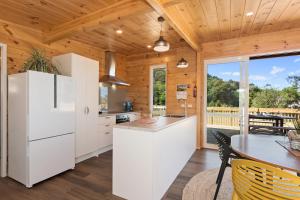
107,125
107,133
107,117
88,110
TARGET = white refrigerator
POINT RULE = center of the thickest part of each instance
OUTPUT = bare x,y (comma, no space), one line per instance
41,126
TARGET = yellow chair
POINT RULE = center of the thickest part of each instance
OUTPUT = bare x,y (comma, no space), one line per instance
254,180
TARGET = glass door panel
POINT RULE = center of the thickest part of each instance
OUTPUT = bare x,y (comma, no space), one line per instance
226,99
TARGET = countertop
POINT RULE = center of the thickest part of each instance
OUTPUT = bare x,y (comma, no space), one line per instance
152,124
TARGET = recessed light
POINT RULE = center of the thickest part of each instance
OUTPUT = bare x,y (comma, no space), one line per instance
119,31
248,14
149,46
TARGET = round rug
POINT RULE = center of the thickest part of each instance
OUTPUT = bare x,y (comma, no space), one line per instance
203,186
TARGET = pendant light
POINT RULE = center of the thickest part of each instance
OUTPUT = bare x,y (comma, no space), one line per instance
182,63
161,45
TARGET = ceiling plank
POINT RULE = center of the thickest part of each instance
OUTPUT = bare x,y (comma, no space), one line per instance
177,23
89,22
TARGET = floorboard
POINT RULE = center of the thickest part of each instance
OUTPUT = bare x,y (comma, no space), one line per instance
92,180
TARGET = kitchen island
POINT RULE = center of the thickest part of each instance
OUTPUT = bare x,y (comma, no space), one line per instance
148,154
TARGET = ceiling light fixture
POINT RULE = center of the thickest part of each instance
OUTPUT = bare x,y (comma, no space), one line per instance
182,63
248,14
119,31
161,45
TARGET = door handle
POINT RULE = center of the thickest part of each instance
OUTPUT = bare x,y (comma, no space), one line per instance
88,110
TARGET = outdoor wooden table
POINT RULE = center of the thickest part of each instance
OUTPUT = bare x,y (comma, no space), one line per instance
264,148
279,120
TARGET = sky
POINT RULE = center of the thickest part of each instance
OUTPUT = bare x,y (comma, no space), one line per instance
273,71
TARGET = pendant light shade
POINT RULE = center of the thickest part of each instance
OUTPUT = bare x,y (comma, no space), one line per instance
161,45
182,63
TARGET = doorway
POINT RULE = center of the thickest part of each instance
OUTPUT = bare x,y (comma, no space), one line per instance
3,109
226,98
158,79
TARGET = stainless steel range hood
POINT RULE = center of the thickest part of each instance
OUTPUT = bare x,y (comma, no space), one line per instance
110,71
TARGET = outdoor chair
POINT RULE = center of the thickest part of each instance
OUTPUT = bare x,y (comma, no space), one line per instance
225,153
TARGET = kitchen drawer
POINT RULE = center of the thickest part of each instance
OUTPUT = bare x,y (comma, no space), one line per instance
107,120
105,136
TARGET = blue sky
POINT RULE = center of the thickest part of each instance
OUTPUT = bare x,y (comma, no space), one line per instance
273,71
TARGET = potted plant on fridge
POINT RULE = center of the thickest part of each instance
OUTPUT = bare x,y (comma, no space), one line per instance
39,62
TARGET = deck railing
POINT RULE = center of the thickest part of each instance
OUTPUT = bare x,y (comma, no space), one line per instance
159,110
229,116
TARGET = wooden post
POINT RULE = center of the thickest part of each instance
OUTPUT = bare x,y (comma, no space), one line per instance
199,104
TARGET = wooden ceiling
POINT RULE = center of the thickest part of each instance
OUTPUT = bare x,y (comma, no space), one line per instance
95,22
138,32
213,20
44,14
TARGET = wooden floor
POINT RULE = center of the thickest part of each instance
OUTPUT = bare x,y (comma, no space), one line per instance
92,180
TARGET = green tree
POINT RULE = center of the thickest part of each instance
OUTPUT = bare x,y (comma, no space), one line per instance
253,90
159,87
268,98
222,93
294,80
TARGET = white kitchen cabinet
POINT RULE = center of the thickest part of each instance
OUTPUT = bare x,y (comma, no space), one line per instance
85,72
105,130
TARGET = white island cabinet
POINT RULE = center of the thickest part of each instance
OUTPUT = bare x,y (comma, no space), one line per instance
148,155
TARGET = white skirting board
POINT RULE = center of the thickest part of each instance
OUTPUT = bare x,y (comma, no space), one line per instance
93,154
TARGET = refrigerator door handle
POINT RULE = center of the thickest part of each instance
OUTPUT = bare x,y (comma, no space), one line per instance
55,91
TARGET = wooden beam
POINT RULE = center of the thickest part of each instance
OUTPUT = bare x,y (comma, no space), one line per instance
199,101
177,23
119,10
280,41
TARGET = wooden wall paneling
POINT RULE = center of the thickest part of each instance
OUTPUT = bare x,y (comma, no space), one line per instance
138,68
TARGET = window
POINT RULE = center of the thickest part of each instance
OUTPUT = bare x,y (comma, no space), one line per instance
158,90
103,98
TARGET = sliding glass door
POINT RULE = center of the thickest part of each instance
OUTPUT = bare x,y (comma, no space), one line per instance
226,98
